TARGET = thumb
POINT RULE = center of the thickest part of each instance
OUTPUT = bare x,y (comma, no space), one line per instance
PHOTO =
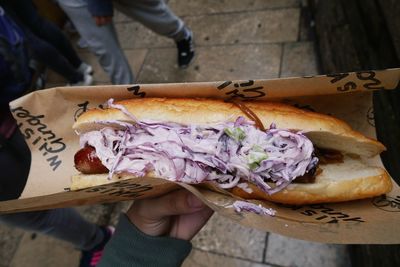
174,203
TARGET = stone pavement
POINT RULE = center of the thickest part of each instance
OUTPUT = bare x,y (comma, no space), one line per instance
235,39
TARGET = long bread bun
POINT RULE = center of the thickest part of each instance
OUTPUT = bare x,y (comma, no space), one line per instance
352,179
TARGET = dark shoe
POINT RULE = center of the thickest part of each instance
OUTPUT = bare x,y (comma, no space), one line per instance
185,51
90,258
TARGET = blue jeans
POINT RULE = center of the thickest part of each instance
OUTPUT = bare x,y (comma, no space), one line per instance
64,224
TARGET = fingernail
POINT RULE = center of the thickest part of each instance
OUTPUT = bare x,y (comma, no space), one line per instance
194,202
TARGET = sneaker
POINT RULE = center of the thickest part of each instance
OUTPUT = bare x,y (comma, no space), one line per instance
185,51
90,258
82,43
87,80
85,69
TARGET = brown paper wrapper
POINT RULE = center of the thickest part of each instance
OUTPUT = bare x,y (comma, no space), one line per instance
45,118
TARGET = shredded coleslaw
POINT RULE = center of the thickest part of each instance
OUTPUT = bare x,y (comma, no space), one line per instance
226,153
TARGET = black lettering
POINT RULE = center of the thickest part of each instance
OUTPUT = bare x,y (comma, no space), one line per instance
387,203
50,149
370,76
309,212
237,93
36,140
22,114
136,91
341,215
82,108
123,184
135,187
49,133
321,217
108,190
348,86
395,204
143,189
257,90
382,201
28,133
322,208
35,120
93,189
337,77
116,193
126,189
224,85
333,220
249,83
61,147
54,162
122,193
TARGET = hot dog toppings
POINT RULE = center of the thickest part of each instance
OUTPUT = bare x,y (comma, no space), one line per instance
250,114
240,206
225,153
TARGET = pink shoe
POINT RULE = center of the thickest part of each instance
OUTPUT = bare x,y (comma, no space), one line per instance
90,258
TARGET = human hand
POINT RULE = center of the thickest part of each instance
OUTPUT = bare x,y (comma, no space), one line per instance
178,214
102,20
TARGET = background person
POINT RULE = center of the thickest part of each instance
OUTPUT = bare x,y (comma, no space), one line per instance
93,21
48,44
15,157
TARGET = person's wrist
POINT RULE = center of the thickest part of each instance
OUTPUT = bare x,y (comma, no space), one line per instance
143,225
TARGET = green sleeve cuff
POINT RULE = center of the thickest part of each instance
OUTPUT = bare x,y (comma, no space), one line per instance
130,247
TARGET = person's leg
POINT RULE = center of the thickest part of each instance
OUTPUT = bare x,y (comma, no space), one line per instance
46,30
102,41
48,55
15,162
64,224
155,15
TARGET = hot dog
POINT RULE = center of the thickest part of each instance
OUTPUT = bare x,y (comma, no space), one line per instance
294,156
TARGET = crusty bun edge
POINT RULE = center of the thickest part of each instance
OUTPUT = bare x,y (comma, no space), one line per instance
81,181
333,191
296,194
325,131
